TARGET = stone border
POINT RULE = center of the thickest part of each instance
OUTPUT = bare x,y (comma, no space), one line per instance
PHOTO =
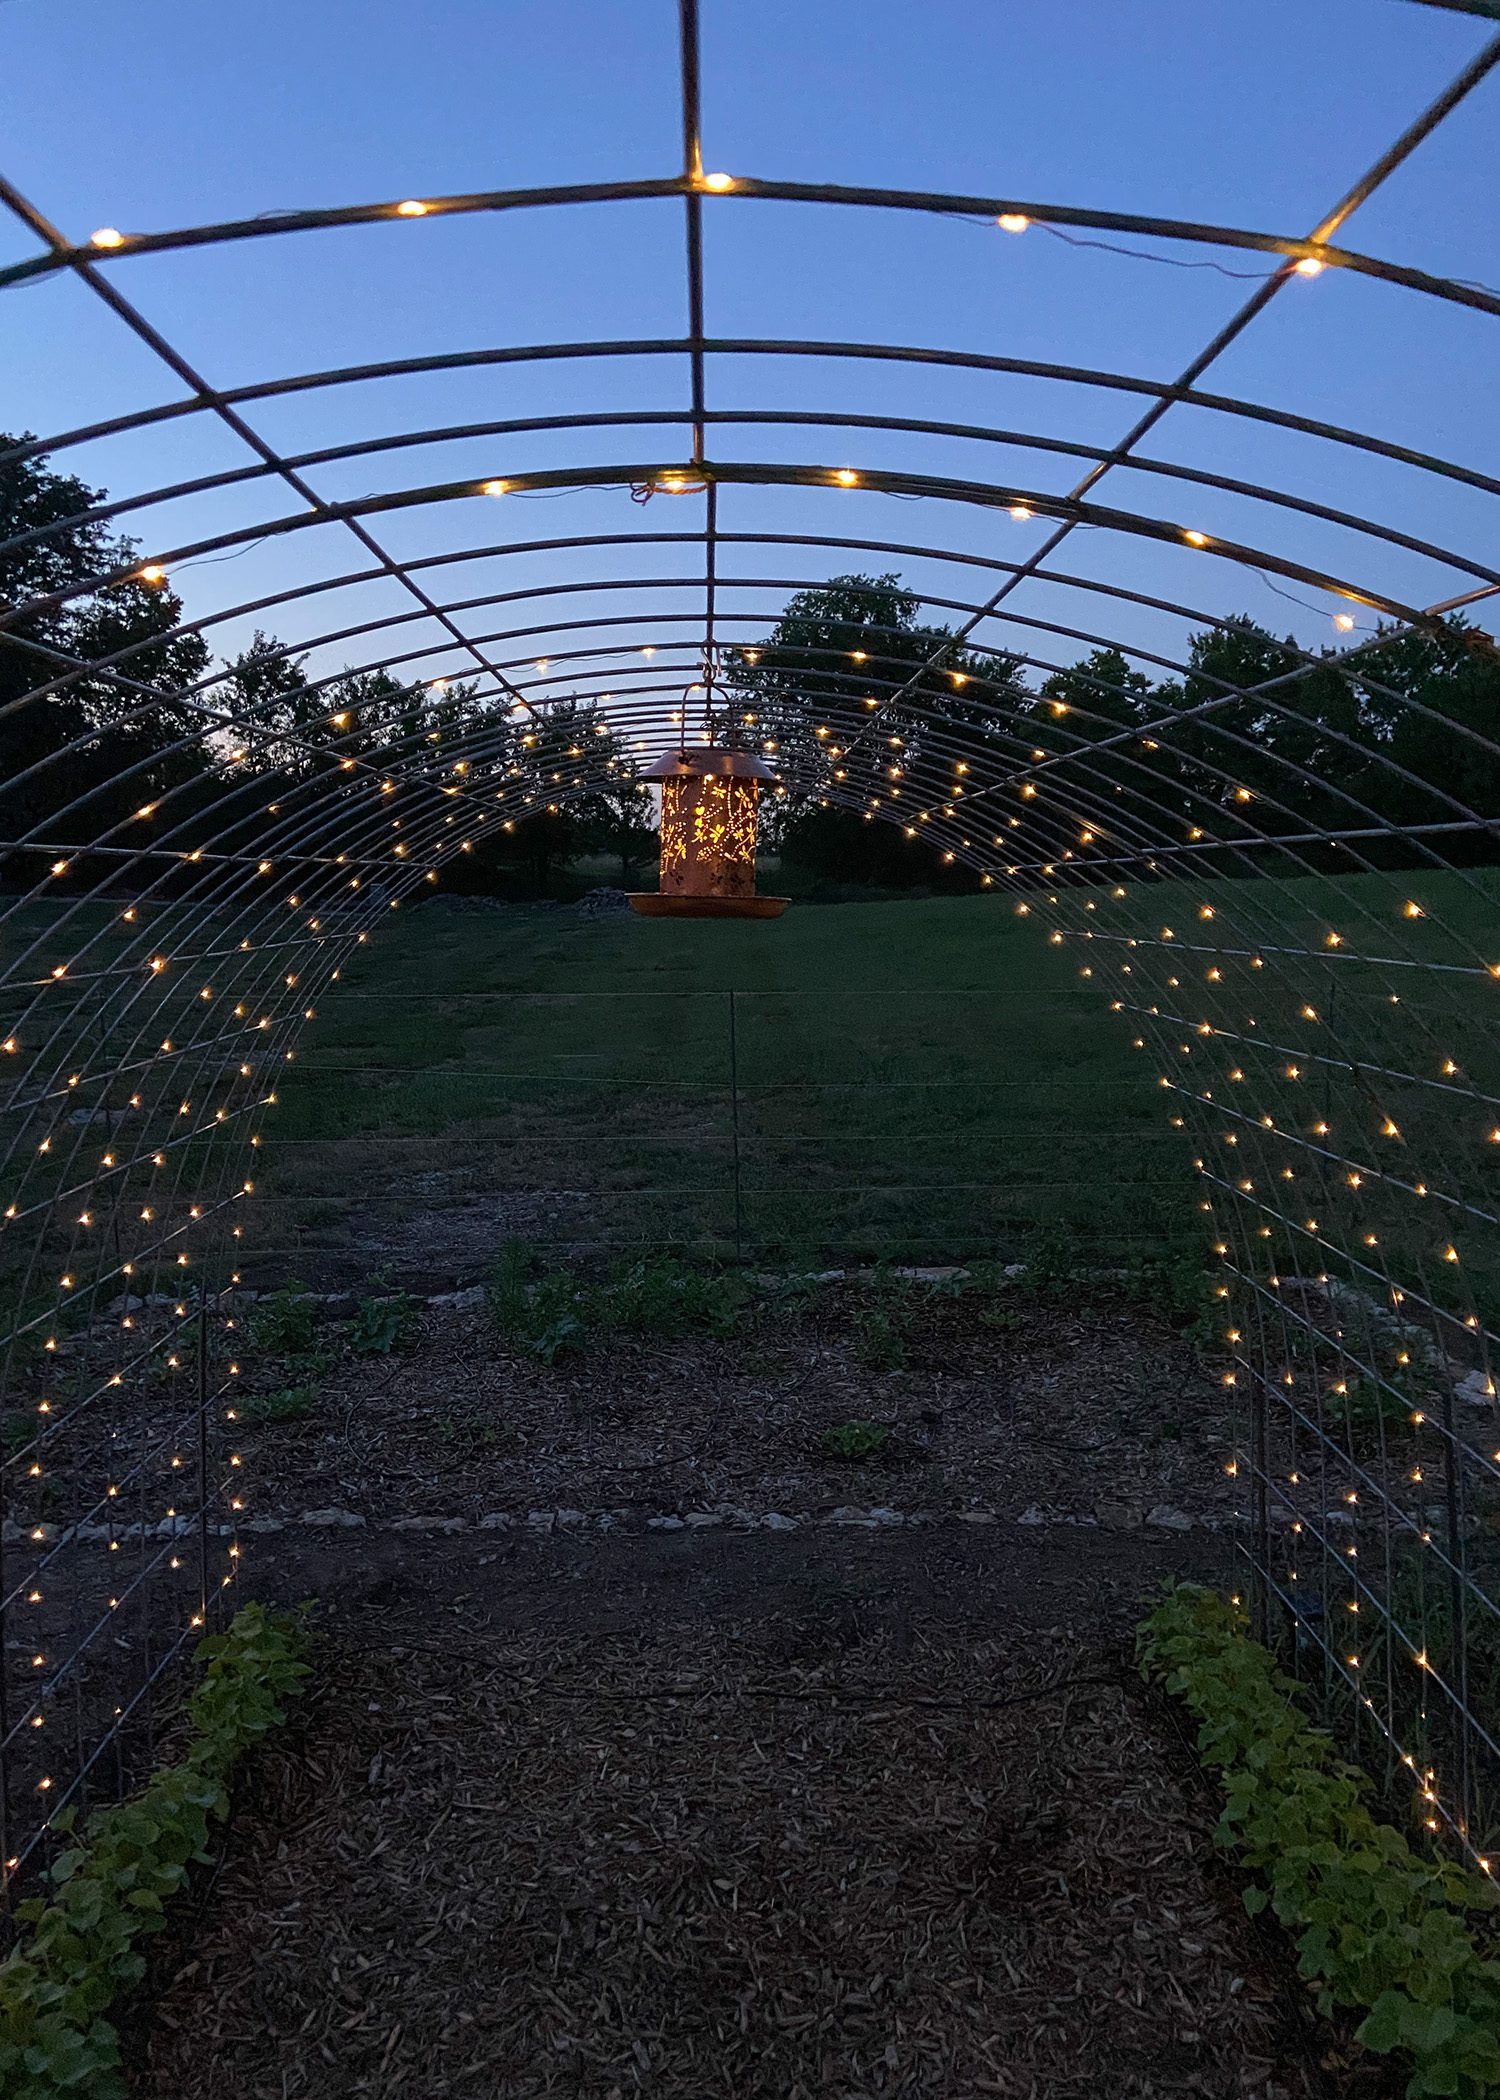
543,1522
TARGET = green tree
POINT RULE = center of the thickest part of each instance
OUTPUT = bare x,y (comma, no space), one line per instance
125,750
864,724
290,721
563,790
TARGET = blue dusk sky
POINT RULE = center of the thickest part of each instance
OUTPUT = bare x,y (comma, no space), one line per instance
1250,113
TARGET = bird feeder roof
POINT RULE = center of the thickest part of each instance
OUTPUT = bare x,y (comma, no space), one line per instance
681,765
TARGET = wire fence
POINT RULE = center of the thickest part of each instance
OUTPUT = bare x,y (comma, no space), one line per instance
800,1127
1274,870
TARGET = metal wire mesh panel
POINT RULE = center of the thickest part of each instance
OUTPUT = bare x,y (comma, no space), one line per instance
1273,864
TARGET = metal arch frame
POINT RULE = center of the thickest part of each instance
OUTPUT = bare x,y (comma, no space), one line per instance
1022,771
935,727
1070,511
1101,640
961,844
785,473
748,346
756,418
749,188
226,896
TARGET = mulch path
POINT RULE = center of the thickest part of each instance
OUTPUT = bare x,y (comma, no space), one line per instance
1060,1409
638,1806
822,1855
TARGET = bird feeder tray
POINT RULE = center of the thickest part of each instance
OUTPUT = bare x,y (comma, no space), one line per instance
660,904
708,834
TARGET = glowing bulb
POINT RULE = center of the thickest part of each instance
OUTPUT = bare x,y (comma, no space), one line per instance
1309,266
1013,222
1196,539
107,237
1343,622
412,209
1020,513
717,182
846,477
493,488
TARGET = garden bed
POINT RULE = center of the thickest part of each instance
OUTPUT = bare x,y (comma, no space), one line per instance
845,1826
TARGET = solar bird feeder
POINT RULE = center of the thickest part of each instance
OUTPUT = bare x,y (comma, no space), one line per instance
708,825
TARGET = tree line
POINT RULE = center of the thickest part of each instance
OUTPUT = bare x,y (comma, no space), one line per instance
883,722
117,727
882,725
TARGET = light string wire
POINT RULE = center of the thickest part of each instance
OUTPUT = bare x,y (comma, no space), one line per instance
1078,793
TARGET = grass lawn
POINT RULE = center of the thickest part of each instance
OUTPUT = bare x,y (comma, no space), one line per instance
921,1080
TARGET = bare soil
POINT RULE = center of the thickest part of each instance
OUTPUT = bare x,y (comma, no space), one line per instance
765,1814
607,1786
1078,1415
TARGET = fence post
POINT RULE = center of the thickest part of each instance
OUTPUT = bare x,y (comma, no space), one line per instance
1458,1561
203,1452
734,1115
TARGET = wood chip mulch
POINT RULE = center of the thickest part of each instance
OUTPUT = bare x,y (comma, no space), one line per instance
1070,1406
780,1859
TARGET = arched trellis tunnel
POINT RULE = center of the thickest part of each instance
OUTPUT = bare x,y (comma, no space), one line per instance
1271,861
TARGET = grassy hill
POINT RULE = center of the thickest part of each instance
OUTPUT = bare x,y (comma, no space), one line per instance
916,1080
922,1079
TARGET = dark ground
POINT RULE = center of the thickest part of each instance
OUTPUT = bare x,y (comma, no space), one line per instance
626,1791
826,1812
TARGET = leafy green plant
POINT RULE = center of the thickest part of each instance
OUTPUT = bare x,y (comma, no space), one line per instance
1372,1416
472,1433
1052,1262
309,1365
857,1440
878,1339
381,1323
564,1336
540,1313
549,1315
18,1434
291,1403
112,1886
510,1287
665,1298
1379,1926
282,1324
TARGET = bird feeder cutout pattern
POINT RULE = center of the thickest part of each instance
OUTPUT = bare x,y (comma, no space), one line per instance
708,833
